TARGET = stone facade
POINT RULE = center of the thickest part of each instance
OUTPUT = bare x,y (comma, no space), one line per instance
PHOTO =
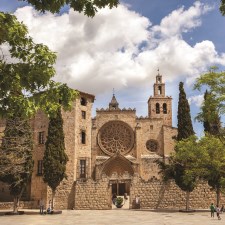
77,130
114,152
154,194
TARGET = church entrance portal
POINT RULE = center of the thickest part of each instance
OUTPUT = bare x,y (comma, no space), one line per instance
120,188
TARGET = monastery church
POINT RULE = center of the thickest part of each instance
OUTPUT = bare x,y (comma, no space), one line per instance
114,152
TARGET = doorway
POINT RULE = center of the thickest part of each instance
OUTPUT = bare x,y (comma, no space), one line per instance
120,188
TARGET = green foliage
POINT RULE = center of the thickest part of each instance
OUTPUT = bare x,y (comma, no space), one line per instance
181,165
184,159
119,201
222,7
16,162
193,160
89,7
26,72
185,128
55,158
209,115
215,82
213,163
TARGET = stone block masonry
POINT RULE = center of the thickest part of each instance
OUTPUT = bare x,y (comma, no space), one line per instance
93,195
154,194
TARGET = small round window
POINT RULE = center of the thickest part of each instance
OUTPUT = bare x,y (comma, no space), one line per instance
152,145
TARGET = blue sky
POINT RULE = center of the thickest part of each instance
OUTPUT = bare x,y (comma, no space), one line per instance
123,48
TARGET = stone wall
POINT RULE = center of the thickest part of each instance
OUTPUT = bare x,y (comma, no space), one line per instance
93,195
154,194
23,205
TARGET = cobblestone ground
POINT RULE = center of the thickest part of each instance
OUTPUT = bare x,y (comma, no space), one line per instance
115,216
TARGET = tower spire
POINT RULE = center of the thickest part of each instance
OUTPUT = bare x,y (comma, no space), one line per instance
113,104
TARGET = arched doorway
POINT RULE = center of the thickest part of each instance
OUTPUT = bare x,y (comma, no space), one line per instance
120,172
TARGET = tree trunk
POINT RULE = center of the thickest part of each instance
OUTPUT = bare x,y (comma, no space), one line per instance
187,200
53,198
218,196
15,204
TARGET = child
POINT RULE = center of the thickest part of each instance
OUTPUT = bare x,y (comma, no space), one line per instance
218,212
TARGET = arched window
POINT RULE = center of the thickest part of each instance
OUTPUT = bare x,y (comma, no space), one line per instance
157,108
159,90
164,108
83,137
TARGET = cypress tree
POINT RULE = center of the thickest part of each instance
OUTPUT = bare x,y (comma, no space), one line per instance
185,128
16,164
55,158
206,123
210,115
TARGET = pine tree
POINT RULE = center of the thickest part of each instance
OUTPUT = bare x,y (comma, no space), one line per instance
16,164
185,128
55,158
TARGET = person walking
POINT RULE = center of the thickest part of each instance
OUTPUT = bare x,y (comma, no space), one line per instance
212,209
41,203
218,212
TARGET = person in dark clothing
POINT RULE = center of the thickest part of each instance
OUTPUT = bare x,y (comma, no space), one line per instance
114,197
212,209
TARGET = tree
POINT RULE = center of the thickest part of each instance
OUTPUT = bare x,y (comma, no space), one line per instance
215,82
209,115
211,163
222,7
55,158
16,157
180,166
185,128
179,163
89,7
25,74
26,70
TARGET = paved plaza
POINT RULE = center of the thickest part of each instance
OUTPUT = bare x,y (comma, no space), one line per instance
114,216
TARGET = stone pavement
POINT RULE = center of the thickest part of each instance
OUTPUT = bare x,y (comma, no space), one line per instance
114,216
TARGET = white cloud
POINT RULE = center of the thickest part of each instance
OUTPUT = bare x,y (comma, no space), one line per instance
180,20
120,48
197,100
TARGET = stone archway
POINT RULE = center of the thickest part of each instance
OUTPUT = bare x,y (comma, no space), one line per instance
118,165
120,172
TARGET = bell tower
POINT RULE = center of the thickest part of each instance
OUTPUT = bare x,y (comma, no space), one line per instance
160,105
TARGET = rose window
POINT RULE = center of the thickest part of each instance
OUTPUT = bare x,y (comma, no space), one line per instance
152,145
116,136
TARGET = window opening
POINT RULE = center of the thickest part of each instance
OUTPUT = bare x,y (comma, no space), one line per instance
159,90
83,101
82,168
157,108
40,167
83,113
83,137
41,139
164,108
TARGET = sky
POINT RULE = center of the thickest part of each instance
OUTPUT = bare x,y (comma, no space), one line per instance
123,48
